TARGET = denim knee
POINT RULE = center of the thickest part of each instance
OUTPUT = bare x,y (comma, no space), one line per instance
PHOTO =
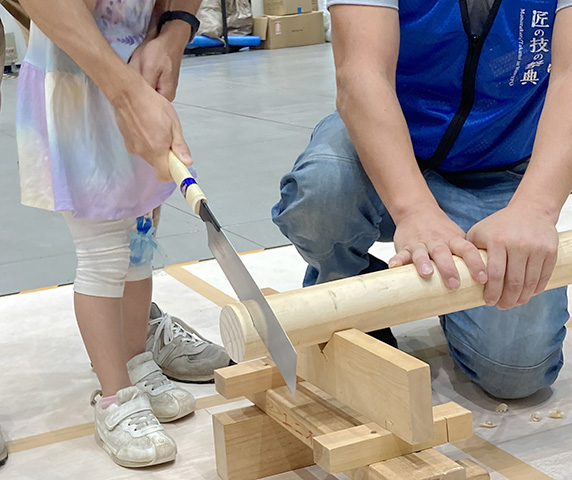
324,203
506,381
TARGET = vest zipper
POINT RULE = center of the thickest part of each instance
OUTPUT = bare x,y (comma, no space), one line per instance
476,43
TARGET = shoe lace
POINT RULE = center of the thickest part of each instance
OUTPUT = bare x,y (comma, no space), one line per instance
156,380
167,331
141,420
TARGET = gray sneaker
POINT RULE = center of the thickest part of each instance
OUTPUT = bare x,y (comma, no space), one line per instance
3,451
181,352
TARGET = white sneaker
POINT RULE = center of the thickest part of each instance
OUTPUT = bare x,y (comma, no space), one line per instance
3,451
130,433
168,401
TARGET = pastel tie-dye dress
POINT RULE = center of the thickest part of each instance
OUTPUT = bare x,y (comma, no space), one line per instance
72,156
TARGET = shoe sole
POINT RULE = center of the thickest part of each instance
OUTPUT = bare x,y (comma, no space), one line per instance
179,378
187,379
124,463
4,456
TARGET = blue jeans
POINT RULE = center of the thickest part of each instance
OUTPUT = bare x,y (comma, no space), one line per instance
331,212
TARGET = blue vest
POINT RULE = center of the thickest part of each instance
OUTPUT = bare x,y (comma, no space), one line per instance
472,102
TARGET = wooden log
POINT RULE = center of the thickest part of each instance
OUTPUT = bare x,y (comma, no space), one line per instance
249,445
345,450
367,302
323,423
386,385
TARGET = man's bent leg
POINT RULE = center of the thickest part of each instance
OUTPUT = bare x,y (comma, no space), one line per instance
512,353
329,209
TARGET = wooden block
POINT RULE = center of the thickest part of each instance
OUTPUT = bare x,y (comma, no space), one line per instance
390,387
474,470
247,378
425,465
366,444
459,421
249,445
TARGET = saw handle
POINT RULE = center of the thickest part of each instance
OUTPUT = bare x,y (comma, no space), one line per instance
186,183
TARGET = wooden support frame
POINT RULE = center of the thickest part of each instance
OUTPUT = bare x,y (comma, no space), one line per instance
321,422
394,387
314,427
337,431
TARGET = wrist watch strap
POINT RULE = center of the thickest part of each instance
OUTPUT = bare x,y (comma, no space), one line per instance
179,15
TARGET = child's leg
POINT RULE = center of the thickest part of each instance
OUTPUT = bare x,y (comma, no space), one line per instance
99,321
136,306
125,426
102,248
168,401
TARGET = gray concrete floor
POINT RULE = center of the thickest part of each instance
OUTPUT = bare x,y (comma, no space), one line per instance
246,116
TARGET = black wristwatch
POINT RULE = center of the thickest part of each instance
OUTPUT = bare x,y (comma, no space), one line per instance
179,15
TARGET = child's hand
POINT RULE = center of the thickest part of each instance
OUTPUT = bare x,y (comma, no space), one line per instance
151,128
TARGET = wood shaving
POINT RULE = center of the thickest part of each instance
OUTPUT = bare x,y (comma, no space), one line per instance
556,413
535,417
502,408
488,424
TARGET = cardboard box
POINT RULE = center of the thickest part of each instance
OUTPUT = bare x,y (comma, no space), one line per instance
290,30
315,5
287,7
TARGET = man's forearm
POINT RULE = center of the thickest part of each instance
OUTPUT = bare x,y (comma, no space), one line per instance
370,109
548,179
71,26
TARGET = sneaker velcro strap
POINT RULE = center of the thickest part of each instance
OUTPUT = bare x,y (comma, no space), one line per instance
137,405
141,371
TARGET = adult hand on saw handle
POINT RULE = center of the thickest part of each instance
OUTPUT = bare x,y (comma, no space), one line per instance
428,234
151,128
158,61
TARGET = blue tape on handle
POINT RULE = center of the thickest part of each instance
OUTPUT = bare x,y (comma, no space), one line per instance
185,184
